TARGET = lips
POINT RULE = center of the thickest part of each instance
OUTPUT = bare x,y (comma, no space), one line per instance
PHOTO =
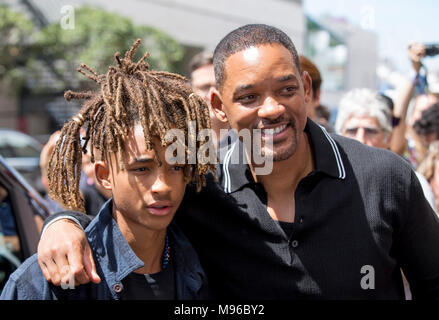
160,208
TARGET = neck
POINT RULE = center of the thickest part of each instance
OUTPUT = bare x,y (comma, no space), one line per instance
147,244
286,174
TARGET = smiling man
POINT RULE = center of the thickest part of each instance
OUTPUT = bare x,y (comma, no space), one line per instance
334,219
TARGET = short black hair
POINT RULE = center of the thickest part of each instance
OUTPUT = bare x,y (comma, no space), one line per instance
429,121
244,38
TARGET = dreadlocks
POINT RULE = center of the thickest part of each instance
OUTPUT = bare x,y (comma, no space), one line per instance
129,93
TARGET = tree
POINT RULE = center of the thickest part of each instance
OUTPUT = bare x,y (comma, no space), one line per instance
96,36
16,33
54,53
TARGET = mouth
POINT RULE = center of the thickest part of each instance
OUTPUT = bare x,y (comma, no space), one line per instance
160,209
276,131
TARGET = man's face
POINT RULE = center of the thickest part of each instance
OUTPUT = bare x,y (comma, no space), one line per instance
146,194
264,90
367,130
202,80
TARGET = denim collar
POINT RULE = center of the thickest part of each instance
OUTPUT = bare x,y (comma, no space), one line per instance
116,259
112,252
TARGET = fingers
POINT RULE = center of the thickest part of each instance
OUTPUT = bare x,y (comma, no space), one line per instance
90,266
60,254
77,268
54,268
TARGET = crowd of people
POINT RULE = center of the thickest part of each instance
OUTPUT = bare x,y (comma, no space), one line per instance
331,208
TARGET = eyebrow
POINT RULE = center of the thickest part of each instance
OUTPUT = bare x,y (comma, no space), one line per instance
245,87
287,78
141,160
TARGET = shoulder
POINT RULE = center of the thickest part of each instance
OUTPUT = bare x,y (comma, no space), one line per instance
365,159
28,281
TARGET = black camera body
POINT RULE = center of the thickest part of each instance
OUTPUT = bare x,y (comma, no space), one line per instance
431,50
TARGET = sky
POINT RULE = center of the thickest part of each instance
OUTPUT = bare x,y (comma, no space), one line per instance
396,22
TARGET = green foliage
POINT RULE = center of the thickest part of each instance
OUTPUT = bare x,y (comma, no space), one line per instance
15,37
96,36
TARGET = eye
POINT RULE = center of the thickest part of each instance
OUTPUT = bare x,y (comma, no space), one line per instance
140,169
247,98
177,168
289,91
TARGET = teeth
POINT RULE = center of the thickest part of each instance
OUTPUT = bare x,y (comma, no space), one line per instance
275,130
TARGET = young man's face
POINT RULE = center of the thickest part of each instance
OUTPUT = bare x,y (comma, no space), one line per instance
146,194
264,90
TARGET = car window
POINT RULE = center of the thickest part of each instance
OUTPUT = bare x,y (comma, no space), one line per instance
16,144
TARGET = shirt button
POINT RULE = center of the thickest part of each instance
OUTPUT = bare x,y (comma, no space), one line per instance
118,287
295,243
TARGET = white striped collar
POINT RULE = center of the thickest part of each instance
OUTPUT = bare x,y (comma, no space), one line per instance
326,153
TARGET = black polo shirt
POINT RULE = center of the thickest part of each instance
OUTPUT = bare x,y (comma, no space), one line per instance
360,216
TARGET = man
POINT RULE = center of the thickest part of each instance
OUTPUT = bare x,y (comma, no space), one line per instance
202,77
139,254
365,116
334,219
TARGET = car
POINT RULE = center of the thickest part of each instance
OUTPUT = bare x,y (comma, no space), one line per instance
22,152
22,214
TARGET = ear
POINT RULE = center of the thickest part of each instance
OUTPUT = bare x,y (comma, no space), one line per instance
307,86
103,176
217,105
317,97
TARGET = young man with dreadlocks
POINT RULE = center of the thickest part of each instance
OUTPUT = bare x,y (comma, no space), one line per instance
139,252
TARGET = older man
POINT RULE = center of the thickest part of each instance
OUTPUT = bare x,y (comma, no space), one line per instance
363,115
333,219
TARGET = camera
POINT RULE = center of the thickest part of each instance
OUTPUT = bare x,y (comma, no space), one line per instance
431,49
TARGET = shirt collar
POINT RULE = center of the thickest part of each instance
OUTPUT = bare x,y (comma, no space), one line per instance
114,255
236,173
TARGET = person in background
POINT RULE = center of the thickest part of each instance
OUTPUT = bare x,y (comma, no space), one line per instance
94,195
323,115
427,126
311,108
364,115
429,168
314,73
404,140
202,78
46,152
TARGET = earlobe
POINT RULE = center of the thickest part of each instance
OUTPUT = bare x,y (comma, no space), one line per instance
217,105
103,175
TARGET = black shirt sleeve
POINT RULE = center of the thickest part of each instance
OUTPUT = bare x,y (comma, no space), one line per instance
418,243
83,219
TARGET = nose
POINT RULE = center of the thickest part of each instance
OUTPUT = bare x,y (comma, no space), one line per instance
270,109
360,135
161,184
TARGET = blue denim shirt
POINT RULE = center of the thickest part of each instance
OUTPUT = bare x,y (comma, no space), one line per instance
114,260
